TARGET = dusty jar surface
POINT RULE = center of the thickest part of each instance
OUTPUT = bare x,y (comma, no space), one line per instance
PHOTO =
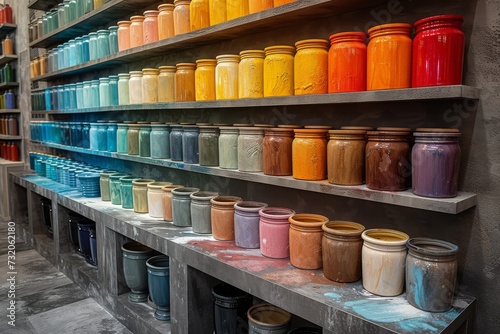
309,154
199,14
140,195
277,151
205,79
150,26
208,145
311,67
167,201
166,84
150,85
166,21
222,216
246,223
135,87
250,149
123,35
346,157
185,82
226,77
228,147
279,70
181,205
181,16
155,198
201,210
217,11
274,232
305,235
251,74
236,8
136,31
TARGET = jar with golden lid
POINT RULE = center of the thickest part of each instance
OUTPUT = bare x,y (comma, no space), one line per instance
135,87
150,85
311,67
217,11
185,87
236,8
226,77
309,154
277,151
251,74
166,84
346,157
255,6
150,26
389,55
123,35
136,31
181,16
279,70
199,14
166,21
205,79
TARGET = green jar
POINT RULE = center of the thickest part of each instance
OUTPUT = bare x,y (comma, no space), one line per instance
121,138
127,198
104,184
208,146
115,188
133,138
145,140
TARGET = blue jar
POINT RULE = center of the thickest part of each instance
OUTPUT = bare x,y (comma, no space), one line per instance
113,89
102,43
113,39
9,100
111,136
67,55
176,142
93,136
78,50
94,96
87,94
48,100
85,49
145,140
121,138
65,97
93,52
104,93
60,57
102,135
72,96
60,96
72,53
86,135
160,141
79,95
190,144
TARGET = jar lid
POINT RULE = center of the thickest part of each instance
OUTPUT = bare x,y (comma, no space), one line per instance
312,43
348,36
390,128
137,18
252,54
321,127
142,182
167,68
390,28
151,12
230,58
287,49
211,62
290,126
438,130
437,18
166,6
347,132
364,128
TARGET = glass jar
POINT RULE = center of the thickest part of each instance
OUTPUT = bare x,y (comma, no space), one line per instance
222,217
123,35
93,136
208,144
123,88
277,152
278,70
140,195
347,62
85,49
387,157
150,85
160,141
121,138
113,90
102,43
274,232
104,96
155,198
78,50
113,39
309,154
166,21
94,94
115,188
133,138
346,157
86,135
167,201
201,211
205,79
61,20
166,84
251,74
145,140
181,16
135,86
389,55
217,11
199,14
255,6
102,135
181,205
185,82
250,149
311,67
136,31
236,8
93,52
190,149
176,142
226,77
111,136
305,236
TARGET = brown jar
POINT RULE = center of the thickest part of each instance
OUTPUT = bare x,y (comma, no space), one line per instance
277,151
222,216
167,201
387,159
305,236
184,82
346,157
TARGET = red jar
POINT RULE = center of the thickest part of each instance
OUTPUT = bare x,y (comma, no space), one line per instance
438,51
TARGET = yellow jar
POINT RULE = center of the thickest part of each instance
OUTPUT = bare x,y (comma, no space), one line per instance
181,16
311,67
150,85
184,82
236,8
199,14
226,77
135,87
217,11
278,70
166,84
166,21
204,78
251,74
98,3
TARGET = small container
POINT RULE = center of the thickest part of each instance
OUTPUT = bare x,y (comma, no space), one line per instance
306,235
115,188
383,261
105,186
181,205
346,157
167,201
226,77
230,308
155,198
228,147
274,232
150,85
236,8
309,154
279,70
123,89
222,217
250,141
205,79
144,139
123,35
342,237
135,87
136,31
176,142
277,152
246,223
121,138
166,84
199,14
111,136
160,141
190,149
251,73
150,26
140,194
181,17
185,82
311,67
133,138
217,11
127,198
208,145
166,21
201,211
266,318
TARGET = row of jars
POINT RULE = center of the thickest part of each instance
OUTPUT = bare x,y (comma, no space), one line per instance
7,46
6,14
9,125
8,100
9,150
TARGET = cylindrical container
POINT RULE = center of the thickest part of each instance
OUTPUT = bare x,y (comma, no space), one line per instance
230,307
166,21
123,89
93,247
155,198
274,232
383,261
342,237
93,52
166,84
135,87
113,89
236,8
181,205
255,6
208,145
102,135
105,186
387,159
190,149
222,216
250,141
217,11
159,285
115,188
305,235
438,51
228,147
135,273
145,139
104,93
347,62
226,77
389,55
113,39
199,14
205,79
246,223
435,162
176,142
278,70
266,318
309,154
431,274
277,151
140,194
311,67
123,35
102,43
346,157
150,85
136,31
121,138
150,26
160,141
133,138
181,16
167,201
201,211
185,82
251,74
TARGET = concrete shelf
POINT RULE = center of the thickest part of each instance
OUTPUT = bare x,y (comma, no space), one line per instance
4,59
10,111
8,137
5,28
7,85
43,4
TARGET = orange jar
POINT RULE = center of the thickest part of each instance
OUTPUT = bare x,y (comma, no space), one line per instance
347,62
281,2
150,26
311,67
306,235
226,77
346,157
185,82
255,6
222,216
166,84
389,56
236,8
150,85
278,70
309,154
251,74
123,35
137,31
181,16
166,21
217,11
199,14
204,78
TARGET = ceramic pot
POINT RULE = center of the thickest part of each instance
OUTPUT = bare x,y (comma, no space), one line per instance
277,152
135,256
201,211
84,227
278,70
230,307
205,79
228,147
251,73
155,198
268,319
181,205
346,157
115,188
250,149
127,198
311,67
167,201
158,268
222,216
309,154
306,234
208,145
105,185
274,232
140,195
246,223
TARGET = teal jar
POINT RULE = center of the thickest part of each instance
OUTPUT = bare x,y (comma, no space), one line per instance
228,147
111,136
93,136
87,93
88,6
160,141
113,39
102,43
121,138
85,49
113,90
208,145
123,89
115,192
60,57
54,20
60,15
45,24
102,135
71,53
80,8
127,198
145,140
72,10
94,96
79,95
72,96
93,46
78,50
67,14
66,55
104,93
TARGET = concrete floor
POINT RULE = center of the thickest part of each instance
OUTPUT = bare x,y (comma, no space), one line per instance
46,301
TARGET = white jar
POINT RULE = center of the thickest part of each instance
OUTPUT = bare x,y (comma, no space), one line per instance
135,87
155,198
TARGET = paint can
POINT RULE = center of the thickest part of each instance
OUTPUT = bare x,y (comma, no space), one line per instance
268,319
230,307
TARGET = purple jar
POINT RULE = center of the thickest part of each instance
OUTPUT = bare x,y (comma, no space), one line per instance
246,223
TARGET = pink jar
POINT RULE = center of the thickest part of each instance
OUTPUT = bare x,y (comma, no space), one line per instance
274,232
